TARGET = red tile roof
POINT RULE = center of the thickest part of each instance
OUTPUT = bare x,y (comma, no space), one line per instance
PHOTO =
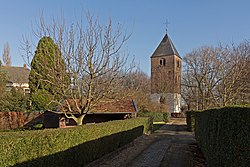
16,74
106,106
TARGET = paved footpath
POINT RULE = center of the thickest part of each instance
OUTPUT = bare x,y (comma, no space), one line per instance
166,147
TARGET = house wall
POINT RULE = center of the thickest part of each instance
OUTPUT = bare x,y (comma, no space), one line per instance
24,86
97,118
21,85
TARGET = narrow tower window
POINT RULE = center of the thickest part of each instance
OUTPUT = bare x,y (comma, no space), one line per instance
178,63
162,62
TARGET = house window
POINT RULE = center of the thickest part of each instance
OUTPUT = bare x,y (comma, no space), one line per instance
26,90
162,62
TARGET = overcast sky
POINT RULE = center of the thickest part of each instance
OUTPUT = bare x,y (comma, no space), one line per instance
193,23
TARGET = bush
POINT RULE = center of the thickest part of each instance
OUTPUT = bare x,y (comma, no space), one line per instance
14,101
223,135
38,126
166,117
41,100
156,116
68,147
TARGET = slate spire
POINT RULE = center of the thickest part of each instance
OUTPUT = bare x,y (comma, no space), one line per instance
165,48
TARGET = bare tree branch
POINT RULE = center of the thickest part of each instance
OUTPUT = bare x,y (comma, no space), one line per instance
94,62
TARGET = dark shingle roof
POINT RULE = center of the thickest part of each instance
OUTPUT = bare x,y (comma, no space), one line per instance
16,74
165,48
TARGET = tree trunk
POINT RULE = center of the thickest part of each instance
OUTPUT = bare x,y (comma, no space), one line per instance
79,120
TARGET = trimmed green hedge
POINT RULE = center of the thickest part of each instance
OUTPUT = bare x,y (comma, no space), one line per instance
156,116
224,136
68,147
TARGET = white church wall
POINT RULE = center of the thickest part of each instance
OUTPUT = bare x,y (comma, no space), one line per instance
173,101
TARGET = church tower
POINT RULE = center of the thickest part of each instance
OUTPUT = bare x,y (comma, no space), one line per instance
166,75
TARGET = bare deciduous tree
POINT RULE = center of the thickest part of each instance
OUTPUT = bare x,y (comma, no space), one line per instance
6,55
94,61
137,85
215,77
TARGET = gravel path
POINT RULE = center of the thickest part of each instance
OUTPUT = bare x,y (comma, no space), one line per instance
167,147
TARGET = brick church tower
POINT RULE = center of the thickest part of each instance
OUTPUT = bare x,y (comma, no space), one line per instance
166,75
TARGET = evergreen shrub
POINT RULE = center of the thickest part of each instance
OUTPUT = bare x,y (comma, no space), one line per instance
68,147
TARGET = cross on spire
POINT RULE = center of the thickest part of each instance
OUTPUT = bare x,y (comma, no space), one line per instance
166,23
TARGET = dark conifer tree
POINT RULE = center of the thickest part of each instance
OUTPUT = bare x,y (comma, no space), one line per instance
47,68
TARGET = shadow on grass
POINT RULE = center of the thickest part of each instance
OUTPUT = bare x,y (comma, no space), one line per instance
85,153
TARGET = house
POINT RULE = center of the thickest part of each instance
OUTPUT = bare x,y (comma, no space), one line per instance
17,77
166,75
106,110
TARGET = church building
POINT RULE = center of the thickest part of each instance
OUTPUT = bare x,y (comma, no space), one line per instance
166,75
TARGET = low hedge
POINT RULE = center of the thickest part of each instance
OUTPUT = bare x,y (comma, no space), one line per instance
224,136
156,116
68,147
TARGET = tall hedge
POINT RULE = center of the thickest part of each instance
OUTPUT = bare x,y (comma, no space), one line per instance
224,136
68,147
